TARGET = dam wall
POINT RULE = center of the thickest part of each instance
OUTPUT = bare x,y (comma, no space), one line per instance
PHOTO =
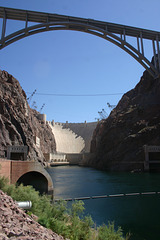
73,137
85,130
66,140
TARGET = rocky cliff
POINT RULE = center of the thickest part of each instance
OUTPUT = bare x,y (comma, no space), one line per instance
118,141
16,224
19,124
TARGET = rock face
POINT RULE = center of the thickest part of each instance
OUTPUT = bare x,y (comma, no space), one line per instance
16,224
19,124
118,141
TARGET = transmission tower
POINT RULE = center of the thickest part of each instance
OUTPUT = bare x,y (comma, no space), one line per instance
111,106
30,98
103,114
34,105
42,107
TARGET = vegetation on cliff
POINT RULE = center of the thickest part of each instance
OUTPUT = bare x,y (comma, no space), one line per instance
68,222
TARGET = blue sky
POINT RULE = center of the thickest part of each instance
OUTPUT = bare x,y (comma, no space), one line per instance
69,62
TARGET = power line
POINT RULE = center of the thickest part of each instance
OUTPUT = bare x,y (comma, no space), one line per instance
77,95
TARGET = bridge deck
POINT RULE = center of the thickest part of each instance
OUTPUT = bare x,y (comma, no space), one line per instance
41,17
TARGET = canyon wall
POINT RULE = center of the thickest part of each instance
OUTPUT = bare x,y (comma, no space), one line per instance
19,124
118,141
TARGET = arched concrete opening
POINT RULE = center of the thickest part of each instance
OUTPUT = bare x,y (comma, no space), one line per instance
35,179
31,173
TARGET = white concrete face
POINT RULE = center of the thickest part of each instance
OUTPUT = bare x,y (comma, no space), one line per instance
66,140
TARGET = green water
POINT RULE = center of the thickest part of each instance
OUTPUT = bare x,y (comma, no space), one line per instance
139,215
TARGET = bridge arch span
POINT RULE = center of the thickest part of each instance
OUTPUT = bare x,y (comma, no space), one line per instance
115,33
73,26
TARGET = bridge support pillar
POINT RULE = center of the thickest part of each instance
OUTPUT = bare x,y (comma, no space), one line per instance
4,26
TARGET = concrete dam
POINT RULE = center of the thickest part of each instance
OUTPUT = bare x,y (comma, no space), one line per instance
72,141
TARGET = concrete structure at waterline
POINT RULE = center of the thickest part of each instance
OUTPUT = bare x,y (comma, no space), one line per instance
152,158
28,173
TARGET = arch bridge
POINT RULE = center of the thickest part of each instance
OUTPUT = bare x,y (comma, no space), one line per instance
115,33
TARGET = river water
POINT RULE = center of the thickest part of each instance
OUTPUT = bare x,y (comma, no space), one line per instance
139,215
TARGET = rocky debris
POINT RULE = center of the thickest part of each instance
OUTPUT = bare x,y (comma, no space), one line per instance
16,224
135,122
19,124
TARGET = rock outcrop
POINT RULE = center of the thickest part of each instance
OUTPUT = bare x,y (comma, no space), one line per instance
16,224
19,124
118,140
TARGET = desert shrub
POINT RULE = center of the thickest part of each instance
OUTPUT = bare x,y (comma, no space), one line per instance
80,227
108,232
3,182
68,222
